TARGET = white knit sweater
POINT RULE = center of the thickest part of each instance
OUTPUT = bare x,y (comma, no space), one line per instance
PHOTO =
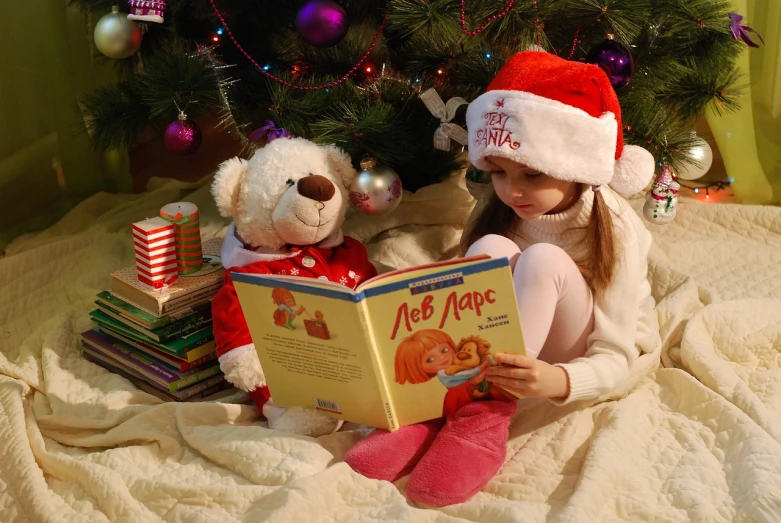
624,317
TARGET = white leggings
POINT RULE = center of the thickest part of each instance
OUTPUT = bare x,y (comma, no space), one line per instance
555,303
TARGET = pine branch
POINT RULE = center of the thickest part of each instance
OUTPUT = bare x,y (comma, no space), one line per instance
114,116
175,78
375,129
440,17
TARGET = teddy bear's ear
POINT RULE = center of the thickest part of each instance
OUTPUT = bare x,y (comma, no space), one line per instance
341,163
225,187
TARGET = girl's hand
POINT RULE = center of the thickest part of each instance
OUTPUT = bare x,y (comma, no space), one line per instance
529,377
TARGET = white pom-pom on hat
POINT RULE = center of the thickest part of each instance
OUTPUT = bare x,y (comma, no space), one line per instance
633,171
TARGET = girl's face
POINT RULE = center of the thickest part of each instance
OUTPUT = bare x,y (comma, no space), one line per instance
437,358
529,192
289,301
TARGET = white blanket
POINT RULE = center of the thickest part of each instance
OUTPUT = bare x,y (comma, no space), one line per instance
698,440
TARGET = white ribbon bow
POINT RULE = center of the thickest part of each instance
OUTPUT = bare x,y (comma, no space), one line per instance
445,112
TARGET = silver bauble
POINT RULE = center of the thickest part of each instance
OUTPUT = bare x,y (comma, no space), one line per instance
116,36
702,154
376,190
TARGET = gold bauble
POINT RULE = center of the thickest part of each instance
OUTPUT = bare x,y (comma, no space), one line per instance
116,36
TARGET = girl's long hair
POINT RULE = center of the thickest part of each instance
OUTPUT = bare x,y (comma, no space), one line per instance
598,267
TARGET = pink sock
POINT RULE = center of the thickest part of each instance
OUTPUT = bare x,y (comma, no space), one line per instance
465,455
391,455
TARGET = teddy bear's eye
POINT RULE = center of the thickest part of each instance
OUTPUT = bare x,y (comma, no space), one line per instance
290,182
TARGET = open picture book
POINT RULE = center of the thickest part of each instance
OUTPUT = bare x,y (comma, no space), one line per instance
403,347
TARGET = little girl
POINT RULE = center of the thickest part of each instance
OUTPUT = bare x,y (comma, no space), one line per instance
549,132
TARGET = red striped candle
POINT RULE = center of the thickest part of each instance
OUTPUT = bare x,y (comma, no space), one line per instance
155,247
185,218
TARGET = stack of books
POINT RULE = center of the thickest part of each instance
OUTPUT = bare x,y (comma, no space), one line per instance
161,339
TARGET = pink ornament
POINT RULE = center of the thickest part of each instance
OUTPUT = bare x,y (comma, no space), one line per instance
147,10
183,136
322,23
665,176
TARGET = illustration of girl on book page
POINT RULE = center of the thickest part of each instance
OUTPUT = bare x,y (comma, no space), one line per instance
284,314
432,352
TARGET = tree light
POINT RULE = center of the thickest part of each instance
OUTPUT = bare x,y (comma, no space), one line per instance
369,69
440,71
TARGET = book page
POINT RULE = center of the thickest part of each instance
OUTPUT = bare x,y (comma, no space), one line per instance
414,272
312,346
435,335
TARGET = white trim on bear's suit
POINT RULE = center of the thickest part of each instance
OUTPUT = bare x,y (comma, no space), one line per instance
234,254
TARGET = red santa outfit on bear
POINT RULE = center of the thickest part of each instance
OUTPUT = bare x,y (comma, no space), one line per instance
337,258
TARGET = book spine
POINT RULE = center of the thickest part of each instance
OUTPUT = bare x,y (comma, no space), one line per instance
172,362
200,352
194,390
192,340
133,359
118,290
387,407
189,326
195,378
179,302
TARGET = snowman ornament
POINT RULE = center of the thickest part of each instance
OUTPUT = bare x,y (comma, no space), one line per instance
661,203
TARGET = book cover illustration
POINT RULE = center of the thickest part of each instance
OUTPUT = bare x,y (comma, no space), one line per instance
402,348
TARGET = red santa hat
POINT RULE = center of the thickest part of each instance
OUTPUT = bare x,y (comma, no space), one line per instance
560,117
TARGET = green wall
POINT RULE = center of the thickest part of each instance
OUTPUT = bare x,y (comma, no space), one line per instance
46,167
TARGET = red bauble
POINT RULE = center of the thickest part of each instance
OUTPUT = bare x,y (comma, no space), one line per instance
183,136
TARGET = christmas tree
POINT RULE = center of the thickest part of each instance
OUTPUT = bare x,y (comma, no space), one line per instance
352,72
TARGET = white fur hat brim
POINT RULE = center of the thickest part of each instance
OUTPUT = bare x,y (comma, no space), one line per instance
560,140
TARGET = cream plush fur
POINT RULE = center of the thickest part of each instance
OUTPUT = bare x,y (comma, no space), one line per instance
268,216
254,193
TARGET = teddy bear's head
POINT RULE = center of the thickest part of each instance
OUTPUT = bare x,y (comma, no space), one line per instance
292,191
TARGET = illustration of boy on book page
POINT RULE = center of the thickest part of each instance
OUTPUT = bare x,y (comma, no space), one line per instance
284,313
461,368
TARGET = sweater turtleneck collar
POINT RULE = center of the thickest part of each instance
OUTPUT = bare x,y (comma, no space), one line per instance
551,225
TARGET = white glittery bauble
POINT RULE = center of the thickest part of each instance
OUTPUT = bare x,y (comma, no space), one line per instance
376,190
116,36
701,154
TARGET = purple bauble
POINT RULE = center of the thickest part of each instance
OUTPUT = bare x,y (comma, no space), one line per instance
615,59
322,23
183,136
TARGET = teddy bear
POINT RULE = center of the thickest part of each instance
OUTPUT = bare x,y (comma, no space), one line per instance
288,203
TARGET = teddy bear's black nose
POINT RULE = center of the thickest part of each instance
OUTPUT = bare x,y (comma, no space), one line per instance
316,187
